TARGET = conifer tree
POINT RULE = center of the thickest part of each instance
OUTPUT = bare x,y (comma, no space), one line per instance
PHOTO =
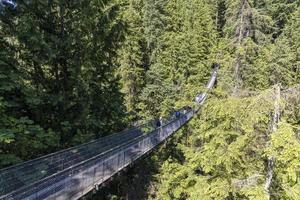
57,75
132,57
278,62
184,61
153,13
248,27
281,12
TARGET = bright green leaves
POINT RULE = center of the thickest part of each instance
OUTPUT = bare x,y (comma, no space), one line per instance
6,136
232,136
257,46
174,186
209,188
285,147
225,156
253,193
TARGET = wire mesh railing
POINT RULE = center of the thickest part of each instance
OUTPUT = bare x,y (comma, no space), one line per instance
29,172
72,182
71,173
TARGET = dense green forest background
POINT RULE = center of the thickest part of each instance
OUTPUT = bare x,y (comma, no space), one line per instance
72,71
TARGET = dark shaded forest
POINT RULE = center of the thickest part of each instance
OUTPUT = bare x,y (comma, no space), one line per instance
73,71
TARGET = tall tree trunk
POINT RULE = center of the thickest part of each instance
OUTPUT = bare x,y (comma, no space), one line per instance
239,41
274,127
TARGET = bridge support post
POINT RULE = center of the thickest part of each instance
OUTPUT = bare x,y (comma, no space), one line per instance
96,186
274,127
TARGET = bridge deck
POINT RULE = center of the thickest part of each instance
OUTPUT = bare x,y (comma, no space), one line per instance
71,173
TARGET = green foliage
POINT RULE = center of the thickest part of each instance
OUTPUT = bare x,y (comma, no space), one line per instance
57,75
278,62
165,61
286,149
74,71
132,68
226,152
185,44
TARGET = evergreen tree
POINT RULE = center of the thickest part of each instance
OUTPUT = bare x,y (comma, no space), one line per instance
69,70
132,57
281,11
225,156
57,74
184,61
153,13
279,62
248,27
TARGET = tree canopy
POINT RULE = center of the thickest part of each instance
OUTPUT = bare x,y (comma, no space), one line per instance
73,71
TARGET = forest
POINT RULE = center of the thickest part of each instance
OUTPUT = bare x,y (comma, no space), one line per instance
74,71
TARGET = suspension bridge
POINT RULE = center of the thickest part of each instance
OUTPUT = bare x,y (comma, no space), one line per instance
72,173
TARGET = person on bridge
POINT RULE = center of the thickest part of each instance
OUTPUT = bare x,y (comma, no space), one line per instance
161,120
158,124
177,114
